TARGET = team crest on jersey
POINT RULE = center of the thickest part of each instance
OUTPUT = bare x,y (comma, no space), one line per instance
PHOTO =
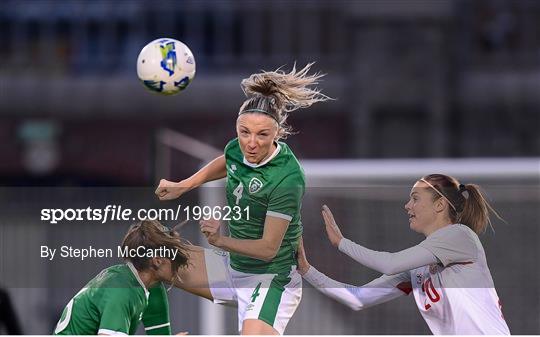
255,185
419,278
433,268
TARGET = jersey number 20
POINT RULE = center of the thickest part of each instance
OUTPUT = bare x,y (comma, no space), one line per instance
431,292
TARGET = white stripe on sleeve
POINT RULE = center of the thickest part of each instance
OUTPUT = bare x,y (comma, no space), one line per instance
111,332
279,215
157,326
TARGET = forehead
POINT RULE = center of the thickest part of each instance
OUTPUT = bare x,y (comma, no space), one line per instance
420,187
256,121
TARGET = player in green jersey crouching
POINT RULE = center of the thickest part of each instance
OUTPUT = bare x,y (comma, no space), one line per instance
120,296
265,182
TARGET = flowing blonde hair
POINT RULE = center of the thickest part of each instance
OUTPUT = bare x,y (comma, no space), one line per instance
277,93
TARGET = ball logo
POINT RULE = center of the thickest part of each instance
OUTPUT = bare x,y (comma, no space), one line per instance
168,54
154,85
255,185
183,83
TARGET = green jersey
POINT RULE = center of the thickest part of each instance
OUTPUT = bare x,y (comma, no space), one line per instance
156,316
114,302
274,188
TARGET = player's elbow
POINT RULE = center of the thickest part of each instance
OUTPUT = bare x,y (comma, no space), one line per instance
391,270
355,307
268,252
268,256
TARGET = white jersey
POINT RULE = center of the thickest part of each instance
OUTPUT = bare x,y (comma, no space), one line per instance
457,295
451,282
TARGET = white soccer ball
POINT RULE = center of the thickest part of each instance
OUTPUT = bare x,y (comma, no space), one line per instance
166,66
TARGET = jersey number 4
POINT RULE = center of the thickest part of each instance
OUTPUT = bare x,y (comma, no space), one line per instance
238,192
256,292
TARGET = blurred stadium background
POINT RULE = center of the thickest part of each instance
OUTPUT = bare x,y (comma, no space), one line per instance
414,81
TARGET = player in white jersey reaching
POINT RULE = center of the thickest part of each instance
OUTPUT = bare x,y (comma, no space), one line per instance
264,177
447,272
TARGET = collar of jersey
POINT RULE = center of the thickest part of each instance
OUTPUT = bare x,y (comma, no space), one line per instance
276,151
136,274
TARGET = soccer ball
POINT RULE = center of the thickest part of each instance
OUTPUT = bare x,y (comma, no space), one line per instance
166,66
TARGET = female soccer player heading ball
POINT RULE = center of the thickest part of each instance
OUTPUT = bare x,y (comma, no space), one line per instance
447,272
264,175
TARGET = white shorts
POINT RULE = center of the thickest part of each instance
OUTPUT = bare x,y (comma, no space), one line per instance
219,277
272,298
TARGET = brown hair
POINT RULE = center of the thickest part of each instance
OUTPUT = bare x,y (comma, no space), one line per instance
276,93
468,205
152,234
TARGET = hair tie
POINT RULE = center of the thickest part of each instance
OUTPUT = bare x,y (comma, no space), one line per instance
463,191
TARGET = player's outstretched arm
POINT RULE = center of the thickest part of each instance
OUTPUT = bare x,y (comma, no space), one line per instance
383,262
378,291
264,249
168,190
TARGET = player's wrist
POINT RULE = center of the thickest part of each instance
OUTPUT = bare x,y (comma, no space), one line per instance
188,184
217,241
303,268
340,243
336,241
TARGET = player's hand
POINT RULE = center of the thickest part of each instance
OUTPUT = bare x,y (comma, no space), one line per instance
303,264
332,229
210,229
183,333
169,190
